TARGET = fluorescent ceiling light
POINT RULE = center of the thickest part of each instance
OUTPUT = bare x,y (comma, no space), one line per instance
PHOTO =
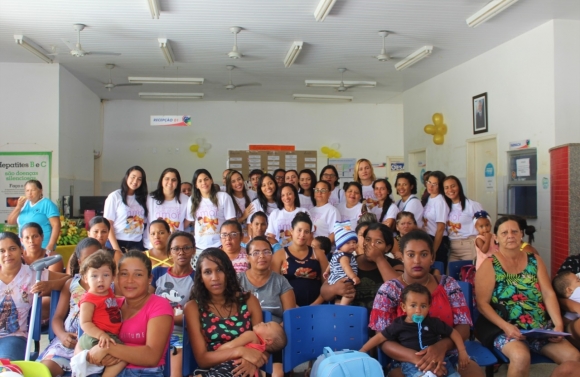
171,95
166,80
166,49
491,9
293,53
323,9
336,84
154,8
32,47
415,57
316,97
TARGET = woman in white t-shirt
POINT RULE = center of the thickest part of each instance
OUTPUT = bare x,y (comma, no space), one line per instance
266,200
435,216
126,210
208,208
291,176
330,175
242,198
460,226
351,209
167,203
385,210
324,215
406,186
306,183
280,220
364,174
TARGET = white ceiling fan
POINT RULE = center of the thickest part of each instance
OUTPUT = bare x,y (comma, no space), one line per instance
231,86
77,50
235,54
383,56
343,88
110,85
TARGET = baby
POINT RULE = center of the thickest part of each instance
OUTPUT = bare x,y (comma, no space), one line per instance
264,337
567,285
416,330
100,314
484,242
343,262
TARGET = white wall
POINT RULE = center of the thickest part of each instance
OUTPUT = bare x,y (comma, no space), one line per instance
362,130
29,107
518,77
79,134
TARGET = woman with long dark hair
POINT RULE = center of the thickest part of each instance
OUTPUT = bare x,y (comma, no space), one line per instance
385,210
330,175
406,186
242,198
306,183
126,210
280,220
266,200
167,203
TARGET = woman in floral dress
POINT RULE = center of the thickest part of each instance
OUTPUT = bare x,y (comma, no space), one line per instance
218,312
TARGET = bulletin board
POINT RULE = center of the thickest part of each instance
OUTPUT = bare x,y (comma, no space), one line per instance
245,161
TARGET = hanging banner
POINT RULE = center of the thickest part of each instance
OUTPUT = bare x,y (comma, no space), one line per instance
170,120
16,168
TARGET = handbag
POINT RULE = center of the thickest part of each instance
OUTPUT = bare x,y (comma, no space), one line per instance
485,330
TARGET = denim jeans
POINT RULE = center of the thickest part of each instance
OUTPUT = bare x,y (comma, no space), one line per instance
142,372
12,347
410,370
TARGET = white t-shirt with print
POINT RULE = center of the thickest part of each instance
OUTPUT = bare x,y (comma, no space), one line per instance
323,219
209,218
350,214
391,212
413,205
368,194
460,223
172,211
257,207
337,196
305,201
16,301
280,225
128,220
436,211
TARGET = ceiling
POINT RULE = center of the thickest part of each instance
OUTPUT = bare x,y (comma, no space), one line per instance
200,37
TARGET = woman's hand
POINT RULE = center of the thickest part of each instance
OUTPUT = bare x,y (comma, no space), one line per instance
21,202
244,368
96,355
41,286
253,356
557,339
69,340
431,358
512,332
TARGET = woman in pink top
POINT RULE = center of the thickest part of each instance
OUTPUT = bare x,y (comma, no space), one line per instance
147,322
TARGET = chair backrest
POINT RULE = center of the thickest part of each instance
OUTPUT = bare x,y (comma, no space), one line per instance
439,266
54,297
36,326
455,268
468,293
311,328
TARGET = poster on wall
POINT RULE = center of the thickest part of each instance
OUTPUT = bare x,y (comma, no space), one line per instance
344,166
16,168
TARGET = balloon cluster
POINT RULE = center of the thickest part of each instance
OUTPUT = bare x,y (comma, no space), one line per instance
332,151
201,148
438,129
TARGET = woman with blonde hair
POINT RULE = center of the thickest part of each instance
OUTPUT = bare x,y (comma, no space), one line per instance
364,174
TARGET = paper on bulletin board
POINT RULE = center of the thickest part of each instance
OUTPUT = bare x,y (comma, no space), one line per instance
344,166
523,167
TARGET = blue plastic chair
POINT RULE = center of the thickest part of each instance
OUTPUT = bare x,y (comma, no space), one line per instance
36,330
455,268
311,328
439,266
54,297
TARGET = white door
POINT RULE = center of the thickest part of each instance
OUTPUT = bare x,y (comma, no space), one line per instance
482,174
418,166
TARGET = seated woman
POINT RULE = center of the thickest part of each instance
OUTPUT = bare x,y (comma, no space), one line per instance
404,223
231,236
65,322
159,254
520,282
147,322
218,312
448,304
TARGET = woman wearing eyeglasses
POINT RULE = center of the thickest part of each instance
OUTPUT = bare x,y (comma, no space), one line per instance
231,236
174,284
330,175
272,290
324,215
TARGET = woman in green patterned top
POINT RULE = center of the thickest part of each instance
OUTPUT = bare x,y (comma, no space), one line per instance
520,282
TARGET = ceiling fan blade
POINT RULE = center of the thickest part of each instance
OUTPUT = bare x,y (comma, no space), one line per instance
249,84
102,53
128,84
71,46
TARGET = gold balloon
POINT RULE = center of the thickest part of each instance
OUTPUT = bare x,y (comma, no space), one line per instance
193,147
430,129
437,119
200,154
337,154
442,129
325,150
438,139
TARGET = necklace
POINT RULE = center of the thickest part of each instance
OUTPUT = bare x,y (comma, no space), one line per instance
423,284
219,313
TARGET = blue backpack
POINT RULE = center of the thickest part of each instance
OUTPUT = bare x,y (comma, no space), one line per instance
345,363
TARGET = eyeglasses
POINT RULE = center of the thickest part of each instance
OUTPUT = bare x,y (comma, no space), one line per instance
257,253
184,249
229,235
328,175
322,191
432,184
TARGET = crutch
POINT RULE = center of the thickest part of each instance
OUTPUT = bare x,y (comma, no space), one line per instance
37,266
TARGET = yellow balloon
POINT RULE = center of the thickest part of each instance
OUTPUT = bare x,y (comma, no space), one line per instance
325,150
430,129
337,154
193,147
442,129
437,119
200,155
438,139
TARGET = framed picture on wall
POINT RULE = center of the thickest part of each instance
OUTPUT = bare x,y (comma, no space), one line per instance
480,113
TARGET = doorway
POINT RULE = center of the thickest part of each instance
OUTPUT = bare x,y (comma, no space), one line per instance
482,173
418,166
